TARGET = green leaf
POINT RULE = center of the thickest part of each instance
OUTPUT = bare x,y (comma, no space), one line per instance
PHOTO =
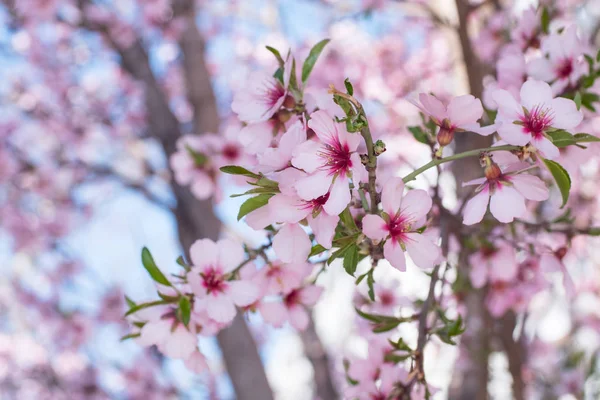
316,249
386,326
185,308
594,231
252,204
341,252
145,305
310,61
351,260
152,269
561,138
561,177
181,261
349,87
130,303
237,170
545,22
400,345
276,54
585,138
293,78
199,158
360,278
370,283
598,56
419,134
130,336
257,190
577,100
348,220
376,318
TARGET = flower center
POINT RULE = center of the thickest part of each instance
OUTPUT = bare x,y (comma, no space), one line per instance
316,204
397,227
272,93
537,120
386,298
213,281
292,298
337,158
565,69
231,152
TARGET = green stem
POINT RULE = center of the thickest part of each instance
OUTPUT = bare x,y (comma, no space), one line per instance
371,164
454,157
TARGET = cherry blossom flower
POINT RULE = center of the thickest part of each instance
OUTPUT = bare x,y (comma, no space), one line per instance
277,278
292,308
507,190
163,329
403,215
565,64
461,114
330,162
527,30
208,278
262,96
552,262
492,264
278,158
191,166
538,112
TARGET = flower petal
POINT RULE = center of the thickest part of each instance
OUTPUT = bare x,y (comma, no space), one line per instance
476,208
220,308
291,244
506,204
231,254
339,196
415,205
530,186
513,134
464,110
324,228
535,93
374,227
546,147
508,108
204,252
566,114
391,195
394,254
243,293
313,186
423,252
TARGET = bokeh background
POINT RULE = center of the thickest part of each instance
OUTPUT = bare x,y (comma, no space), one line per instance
85,183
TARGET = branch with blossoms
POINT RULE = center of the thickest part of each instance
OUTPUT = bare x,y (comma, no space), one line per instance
315,187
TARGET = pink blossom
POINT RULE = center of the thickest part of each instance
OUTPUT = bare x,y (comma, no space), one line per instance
402,216
330,163
527,30
191,166
256,138
530,120
461,114
552,262
262,96
277,278
274,159
163,329
492,264
292,308
291,244
565,64
505,190
196,362
209,279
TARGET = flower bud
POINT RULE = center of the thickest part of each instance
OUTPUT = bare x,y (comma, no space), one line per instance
491,170
379,148
561,253
445,136
284,116
289,102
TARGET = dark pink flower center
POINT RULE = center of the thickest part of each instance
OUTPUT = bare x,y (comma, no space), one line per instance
292,298
272,93
398,226
537,120
212,281
231,152
337,157
386,298
316,204
565,68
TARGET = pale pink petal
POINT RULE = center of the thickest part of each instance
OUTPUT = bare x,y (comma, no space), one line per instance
324,127
503,265
480,130
359,172
391,195
476,208
324,228
394,254
202,186
508,108
298,317
260,218
374,227
464,109
204,252
231,254
531,187
474,182
513,134
274,313
506,204
256,138
566,114
196,363
181,344
339,196
154,333
287,179
287,208
546,147
549,263
535,93
290,140
243,293
432,106
478,273
415,205
542,69
313,186
423,252
291,244
310,294
306,156
220,308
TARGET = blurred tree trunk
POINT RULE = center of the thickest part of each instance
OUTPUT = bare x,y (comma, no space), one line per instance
469,382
